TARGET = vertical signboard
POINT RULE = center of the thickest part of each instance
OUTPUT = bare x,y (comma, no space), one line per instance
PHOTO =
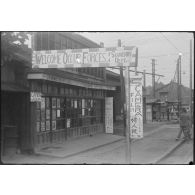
136,108
109,114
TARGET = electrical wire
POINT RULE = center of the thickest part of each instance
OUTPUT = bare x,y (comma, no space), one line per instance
170,42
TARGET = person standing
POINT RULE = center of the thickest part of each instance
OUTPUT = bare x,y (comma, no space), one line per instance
184,122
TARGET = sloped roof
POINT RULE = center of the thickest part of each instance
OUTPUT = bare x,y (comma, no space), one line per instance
79,38
171,88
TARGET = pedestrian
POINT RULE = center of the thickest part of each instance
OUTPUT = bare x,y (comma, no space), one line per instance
184,122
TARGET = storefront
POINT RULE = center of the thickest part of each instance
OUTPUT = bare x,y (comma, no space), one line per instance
72,100
66,110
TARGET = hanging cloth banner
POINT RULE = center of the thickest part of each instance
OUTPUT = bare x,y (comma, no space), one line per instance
78,58
109,114
136,108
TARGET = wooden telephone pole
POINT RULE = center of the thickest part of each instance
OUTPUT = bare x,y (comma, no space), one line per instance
122,94
191,111
153,77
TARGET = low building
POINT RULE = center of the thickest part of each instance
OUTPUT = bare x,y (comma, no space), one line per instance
165,104
73,99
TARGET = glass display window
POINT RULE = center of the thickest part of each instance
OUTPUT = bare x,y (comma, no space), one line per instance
38,115
47,125
53,125
38,105
53,114
72,103
42,103
53,102
38,126
58,102
47,102
68,123
62,102
58,113
42,126
48,114
42,115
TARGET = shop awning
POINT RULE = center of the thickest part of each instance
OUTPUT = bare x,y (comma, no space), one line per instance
42,76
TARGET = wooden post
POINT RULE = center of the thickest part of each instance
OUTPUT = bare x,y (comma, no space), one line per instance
153,77
122,94
128,139
178,88
136,61
191,113
144,97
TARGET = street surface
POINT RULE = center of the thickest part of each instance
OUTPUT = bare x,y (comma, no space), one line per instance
182,155
157,141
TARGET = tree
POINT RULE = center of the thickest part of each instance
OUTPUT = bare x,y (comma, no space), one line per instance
14,43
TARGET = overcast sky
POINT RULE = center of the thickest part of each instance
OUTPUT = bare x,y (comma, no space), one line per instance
164,47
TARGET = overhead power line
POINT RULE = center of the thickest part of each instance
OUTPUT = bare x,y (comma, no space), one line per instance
164,55
170,42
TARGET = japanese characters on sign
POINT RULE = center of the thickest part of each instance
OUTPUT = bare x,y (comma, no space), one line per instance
35,96
136,108
109,114
92,57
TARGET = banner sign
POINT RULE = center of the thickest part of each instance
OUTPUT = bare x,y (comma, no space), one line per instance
35,96
136,108
92,57
109,114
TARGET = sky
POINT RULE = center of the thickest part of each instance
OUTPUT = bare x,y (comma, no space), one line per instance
164,47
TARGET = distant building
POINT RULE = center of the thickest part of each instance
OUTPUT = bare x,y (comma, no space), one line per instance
165,104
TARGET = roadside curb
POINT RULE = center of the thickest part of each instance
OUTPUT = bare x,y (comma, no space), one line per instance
76,153
95,147
168,152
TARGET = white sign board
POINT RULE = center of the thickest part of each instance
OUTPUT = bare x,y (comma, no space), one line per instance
35,96
92,57
109,114
136,108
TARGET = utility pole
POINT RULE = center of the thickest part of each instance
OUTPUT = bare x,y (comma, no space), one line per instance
153,77
128,116
102,45
136,61
191,113
122,94
144,97
178,87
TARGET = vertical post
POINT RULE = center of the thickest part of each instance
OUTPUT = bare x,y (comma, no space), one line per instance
180,87
128,139
153,77
178,93
144,97
191,113
104,69
136,61
122,93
